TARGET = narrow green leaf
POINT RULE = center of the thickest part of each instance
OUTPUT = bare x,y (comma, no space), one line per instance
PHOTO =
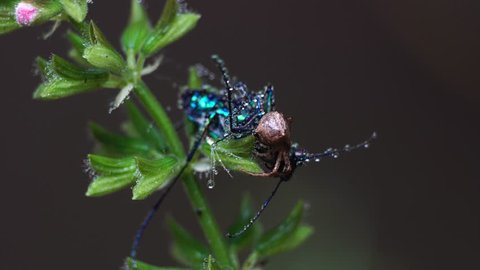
104,185
77,9
7,17
145,128
172,25
97,37
48,10
211,263
194,79
235,154
137,30
247,238
101,53
62,79
78,46
155,174
284,235
169,12
145,266
186,248
301,234
77,41
42,64
250,262
119,145
112,166
56,89
112,174
69,71
104,57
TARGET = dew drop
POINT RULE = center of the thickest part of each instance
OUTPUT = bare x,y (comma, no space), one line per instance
374,135
335,155
210,183
317,159
366,145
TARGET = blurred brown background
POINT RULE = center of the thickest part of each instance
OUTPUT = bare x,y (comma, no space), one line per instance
341,69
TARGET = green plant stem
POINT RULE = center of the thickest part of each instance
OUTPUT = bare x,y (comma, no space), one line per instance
206,219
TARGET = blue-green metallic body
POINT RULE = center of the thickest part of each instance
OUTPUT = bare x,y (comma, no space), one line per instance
202,107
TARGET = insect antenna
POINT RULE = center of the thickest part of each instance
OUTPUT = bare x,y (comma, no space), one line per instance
153,210
257,215
302,156
226,79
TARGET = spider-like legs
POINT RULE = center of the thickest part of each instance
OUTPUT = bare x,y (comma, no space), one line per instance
146,221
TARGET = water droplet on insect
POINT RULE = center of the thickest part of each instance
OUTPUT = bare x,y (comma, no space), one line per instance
307,160
366,145
317,159
347,147
335,155
210,183
209,140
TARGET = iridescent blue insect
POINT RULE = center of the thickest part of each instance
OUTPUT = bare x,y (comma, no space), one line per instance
205,108
234,113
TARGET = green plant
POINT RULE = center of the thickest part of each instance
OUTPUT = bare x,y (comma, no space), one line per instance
145,157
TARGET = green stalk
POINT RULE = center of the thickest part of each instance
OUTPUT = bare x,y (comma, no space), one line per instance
206,219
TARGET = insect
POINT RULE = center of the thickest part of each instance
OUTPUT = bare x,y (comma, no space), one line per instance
236,112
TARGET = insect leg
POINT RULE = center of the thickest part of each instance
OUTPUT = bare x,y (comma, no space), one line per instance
257,215
226,79
302,156
141,230
269,99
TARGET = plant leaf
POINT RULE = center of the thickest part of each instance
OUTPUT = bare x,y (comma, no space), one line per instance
96,36
7,17
105,58
63,79
235,154
172,25
194,80
145,128
114,174
300,235
186,248
285,236
77,9
119,145
211,263
145,266
248,237
41,64
155,174
78,46
69,71
137,30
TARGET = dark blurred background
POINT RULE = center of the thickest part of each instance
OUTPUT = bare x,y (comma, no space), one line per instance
341,69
